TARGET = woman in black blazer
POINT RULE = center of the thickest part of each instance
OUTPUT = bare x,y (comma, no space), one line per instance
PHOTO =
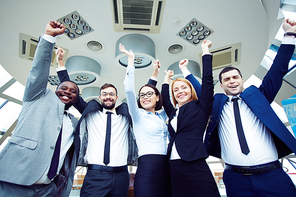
190,174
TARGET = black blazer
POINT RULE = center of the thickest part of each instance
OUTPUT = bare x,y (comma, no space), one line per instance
192,118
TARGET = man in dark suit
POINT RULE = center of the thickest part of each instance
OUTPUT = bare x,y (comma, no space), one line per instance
39,158
103,178
251,152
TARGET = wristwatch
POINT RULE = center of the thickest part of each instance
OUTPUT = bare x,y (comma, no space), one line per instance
290,34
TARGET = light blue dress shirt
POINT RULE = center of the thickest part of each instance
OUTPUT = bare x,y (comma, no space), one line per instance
150,129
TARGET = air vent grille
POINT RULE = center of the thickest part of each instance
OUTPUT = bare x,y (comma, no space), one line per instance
28,45
226,56
137,15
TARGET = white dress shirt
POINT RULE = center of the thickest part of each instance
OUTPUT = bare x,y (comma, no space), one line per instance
174,154
96,125
258,136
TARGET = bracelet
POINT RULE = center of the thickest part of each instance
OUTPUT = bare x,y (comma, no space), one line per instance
290,34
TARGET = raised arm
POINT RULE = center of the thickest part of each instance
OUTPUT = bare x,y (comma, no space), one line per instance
186,73
207,88
156,67
129,84
167,104
273,80
38,76
63,76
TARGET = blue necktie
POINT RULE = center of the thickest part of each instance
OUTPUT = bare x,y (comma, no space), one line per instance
239,128
55,158
107,139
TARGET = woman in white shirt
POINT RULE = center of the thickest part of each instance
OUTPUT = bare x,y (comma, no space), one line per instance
152,176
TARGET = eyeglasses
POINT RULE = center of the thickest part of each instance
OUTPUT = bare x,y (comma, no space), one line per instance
110,94
148,94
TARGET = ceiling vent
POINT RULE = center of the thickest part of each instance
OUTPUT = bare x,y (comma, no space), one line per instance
226,56
27,48
137,15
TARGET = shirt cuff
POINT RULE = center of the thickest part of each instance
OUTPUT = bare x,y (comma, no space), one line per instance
60,69
288,40
153,78
186,72
48,38
206,54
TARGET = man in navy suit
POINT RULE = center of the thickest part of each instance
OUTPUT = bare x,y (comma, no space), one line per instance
251,157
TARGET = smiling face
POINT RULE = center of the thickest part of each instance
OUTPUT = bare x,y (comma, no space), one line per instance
182,92
232,82
108,98
67,92
148,99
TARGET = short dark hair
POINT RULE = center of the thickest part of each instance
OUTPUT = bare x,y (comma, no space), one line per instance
71,82
158,103
226,69
108,85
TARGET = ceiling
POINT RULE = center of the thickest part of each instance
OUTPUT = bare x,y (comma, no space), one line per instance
254,24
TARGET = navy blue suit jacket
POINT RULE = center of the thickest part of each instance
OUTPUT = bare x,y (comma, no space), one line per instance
192,118
258,100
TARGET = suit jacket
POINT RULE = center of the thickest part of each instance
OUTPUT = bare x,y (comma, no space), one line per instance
192,118
29,151
259,100
84,108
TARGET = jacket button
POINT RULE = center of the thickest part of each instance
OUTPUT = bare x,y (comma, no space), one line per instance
59,128
51,147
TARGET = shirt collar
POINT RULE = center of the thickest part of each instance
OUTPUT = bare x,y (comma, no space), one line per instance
105,110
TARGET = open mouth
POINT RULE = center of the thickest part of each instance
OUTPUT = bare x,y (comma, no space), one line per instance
181,96
108,102
146,102
233,87
65,97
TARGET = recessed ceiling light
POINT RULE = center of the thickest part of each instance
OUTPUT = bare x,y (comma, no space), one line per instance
94,45
175,49
194,31
75,25
53,80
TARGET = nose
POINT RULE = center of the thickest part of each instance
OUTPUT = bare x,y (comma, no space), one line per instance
67,91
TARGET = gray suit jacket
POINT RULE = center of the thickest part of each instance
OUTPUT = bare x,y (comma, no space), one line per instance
29,151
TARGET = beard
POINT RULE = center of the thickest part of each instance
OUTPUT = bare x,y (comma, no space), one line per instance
108,106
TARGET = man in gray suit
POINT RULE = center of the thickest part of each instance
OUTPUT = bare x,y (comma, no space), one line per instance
39,158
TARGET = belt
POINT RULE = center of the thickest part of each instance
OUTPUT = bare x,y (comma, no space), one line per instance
250,170
107,168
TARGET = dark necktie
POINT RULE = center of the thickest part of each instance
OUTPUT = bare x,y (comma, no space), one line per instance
107,139
55,158
239,128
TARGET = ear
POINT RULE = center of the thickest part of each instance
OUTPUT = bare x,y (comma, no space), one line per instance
157,98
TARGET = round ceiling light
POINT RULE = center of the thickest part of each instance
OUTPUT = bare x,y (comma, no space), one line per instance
175,49
94,45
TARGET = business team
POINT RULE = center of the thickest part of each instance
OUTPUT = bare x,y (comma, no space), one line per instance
243,130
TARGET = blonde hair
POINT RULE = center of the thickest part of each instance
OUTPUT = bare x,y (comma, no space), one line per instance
193,93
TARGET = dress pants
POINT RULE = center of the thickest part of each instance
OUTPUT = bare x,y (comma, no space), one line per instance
14,190
273,183
105,182
152,177
192,179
